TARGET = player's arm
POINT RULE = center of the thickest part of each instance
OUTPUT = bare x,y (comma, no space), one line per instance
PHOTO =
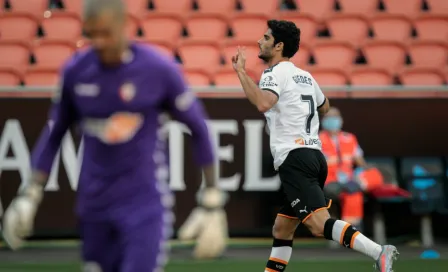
19,217
61,116
184,107
323,104
264,99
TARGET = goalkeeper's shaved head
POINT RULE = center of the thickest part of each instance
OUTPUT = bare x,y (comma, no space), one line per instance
104,23
94,8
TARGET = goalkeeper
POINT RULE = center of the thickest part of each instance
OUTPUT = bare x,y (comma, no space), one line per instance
117,92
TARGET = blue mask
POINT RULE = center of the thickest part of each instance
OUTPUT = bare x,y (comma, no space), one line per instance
332,123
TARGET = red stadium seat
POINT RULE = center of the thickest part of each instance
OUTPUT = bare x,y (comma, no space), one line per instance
132,26
9,77
410,8
73,6
162,27
52,55
207,27
62,26
365,7
438,6
200,55
267,7
320,9
302,57
227,77
432,27
328,76
247,27
391,27
41,77
428,54
421,76
252,51
222,6
348,27
334,54
18,27
32,7
195,77
137,8
306,23
164,47
173,6
385,54
14,55
370,76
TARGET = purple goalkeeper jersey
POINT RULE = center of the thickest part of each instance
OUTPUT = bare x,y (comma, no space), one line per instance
120,111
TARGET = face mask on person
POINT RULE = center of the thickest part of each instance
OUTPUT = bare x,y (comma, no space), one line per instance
332,123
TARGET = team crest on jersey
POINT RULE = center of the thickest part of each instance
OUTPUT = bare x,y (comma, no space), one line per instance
127,91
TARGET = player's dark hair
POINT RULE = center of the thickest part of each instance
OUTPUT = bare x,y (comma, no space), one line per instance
288,33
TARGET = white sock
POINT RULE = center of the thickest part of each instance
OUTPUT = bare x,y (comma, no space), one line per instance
280,255
345,234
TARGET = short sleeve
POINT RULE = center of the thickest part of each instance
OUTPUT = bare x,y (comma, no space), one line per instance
273,81
320,97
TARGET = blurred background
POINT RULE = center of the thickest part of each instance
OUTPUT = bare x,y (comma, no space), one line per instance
382,63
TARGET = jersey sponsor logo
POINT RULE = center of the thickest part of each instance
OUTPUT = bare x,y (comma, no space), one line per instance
302,79
312,141
268,82
117,129
295,202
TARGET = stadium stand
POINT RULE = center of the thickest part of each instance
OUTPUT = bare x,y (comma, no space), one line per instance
392,38
216,7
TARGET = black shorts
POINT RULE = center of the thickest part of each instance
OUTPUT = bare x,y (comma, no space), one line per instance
302,176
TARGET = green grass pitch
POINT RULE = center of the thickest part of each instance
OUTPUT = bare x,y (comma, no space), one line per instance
249,266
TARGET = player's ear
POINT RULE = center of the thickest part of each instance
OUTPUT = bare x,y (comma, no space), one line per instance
279,46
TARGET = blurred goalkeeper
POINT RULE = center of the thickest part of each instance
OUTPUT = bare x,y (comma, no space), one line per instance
117,92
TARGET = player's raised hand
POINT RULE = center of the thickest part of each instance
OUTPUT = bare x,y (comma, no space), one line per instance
239,60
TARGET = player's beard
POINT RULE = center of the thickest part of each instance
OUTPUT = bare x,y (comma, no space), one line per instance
264,56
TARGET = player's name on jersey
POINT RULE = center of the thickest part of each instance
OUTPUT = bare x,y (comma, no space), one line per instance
13,138
302,79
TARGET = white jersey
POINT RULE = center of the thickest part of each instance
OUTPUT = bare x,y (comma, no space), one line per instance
293,122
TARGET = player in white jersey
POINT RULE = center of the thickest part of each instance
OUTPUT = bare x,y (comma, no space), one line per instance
292,101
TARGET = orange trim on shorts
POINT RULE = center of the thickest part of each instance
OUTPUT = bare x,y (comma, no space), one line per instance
270,270
341,240
352,242
287,216
323,208
278,260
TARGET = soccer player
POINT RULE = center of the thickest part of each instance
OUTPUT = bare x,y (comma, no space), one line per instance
291,100
116,92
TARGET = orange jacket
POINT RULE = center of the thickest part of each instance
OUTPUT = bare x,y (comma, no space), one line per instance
339,159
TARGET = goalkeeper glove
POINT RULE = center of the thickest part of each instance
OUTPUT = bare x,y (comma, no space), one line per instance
208,223
18,220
